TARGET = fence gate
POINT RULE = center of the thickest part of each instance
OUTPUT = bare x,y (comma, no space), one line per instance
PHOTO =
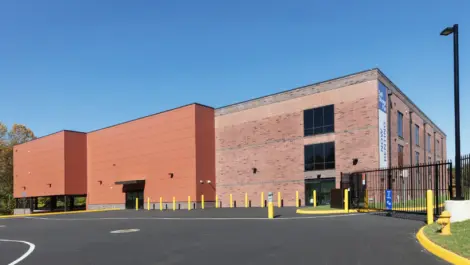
408,186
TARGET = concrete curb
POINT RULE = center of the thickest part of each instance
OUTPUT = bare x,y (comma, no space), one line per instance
305,211
57,213
439,251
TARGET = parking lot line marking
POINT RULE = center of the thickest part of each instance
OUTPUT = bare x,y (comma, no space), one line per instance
194,218
26,254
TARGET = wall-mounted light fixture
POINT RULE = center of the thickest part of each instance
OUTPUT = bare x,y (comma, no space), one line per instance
24,187
100,182
254,170
50,185
201,181
208,182
171,175
355,161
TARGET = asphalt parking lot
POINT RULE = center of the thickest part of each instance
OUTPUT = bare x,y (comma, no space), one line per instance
214,236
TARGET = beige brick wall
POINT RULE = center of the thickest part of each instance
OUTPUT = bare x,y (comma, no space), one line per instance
270,138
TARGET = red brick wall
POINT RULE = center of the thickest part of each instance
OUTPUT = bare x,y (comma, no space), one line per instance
270,138
75,158
148,148
398,105
38,163
205,153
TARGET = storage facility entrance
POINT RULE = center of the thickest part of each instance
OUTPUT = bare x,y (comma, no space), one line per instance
323,188
134,189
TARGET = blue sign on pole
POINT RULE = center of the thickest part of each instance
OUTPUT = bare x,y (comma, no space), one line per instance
388,199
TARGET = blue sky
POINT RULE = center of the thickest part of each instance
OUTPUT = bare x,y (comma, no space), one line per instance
84,65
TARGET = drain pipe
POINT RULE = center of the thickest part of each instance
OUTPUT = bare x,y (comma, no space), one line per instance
389,125
411,153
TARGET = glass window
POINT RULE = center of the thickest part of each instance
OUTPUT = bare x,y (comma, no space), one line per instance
417,134
319,156
417,158
428,143
437,146
400,124
400,155
319,120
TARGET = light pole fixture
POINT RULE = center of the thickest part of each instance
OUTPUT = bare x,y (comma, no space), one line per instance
458,167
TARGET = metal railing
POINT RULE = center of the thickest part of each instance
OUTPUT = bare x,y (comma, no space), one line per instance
408,185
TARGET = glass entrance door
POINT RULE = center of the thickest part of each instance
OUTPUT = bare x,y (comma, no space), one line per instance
323,188
131,196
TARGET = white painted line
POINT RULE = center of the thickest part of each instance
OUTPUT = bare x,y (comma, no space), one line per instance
196,218
2,226
26,254
123,231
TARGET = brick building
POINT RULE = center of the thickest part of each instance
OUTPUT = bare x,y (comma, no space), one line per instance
302,139
293,141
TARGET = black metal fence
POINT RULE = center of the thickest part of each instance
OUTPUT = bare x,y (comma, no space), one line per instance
465,163
408,186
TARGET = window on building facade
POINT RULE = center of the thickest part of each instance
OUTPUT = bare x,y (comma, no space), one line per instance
428,143
319,120
417,158
429,160
417,134
319,156
400,155
400,124
437,147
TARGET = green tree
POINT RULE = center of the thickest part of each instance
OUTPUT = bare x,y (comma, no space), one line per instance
18,134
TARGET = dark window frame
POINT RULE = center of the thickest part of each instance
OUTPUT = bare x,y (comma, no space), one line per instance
428,143
314,127
400,124
319,157
401,154
417,134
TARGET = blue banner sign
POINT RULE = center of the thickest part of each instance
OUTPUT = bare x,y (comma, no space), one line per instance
388,200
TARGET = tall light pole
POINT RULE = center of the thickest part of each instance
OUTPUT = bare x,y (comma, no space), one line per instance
458,168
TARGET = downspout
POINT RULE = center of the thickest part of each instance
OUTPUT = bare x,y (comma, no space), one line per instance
411,153
389,125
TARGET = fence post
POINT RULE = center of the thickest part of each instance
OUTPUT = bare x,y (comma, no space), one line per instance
346,200
429,207
436,188
451,187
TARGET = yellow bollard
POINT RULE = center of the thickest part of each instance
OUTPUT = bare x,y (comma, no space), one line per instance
148,203
174,203
246,199
429,207
262,199
346,200
216,201
189,203
297,199
231,201
136,204
444,220
314,198
202,201
279,199
270,210
161,204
